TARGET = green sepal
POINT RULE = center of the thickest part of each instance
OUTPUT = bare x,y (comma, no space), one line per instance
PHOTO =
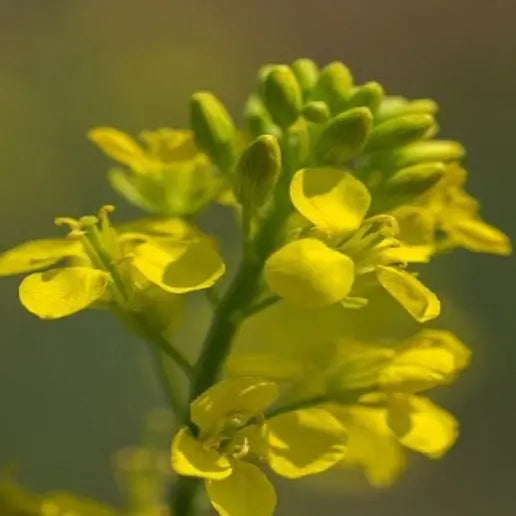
282,95
401,130
344,136
394,106
367,95
333,85
316,111
257,118
307,73
213,128
257,171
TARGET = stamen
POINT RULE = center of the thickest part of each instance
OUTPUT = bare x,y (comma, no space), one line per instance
73,224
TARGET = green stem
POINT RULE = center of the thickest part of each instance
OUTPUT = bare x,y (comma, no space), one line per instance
228,316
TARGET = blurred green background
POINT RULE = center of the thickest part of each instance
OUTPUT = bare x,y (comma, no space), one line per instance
72,392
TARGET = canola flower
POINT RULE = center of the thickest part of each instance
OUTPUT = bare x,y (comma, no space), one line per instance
343,195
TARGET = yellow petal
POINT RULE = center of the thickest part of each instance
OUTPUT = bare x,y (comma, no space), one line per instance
371,445
305,442
422,426
37,254
60,292
332,199
407,254
116,144
170,145
247,492
173,227
476,235
191,458
309,274
244,397
419,301
429,359
179,266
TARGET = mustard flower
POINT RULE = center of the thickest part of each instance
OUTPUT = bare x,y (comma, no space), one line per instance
343,246
446,217
168,175
233,439
373,388
100,265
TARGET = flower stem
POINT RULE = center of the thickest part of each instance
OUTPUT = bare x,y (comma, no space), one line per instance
229,315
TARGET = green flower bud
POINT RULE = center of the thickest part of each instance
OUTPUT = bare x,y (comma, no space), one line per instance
400,131
306,73
407,184
213,128
417,178
257,171
258,119
282,95
368,95
316,111
393,106
344,136
421,152
333,86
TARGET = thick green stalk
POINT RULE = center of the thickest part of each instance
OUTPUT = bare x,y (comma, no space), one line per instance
229,315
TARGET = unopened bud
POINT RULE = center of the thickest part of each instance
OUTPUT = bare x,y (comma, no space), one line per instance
306,73
282,95
394,106
417,178
409,183
344,136
213,128
258,119
333,85
424,152
400,131
257,171
368,95
316,111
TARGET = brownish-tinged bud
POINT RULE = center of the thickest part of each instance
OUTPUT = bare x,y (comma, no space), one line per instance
257,171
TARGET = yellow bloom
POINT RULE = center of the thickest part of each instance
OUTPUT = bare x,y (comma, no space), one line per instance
344,247
447,217
372,388
169,175
234,438
102,265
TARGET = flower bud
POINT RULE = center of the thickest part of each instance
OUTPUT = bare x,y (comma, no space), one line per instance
344,136
417,178
368,95
401,130
334,83
316,111
257,171
409,183
213,128
423,152
394,106
258,119
306,73
282,95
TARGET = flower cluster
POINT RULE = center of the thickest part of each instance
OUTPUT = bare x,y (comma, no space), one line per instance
339,190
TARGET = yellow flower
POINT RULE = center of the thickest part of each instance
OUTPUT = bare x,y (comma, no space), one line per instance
102,265
447,217
372,388
233,439
343,248
169,175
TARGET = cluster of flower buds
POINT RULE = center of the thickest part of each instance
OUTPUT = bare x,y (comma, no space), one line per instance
339,189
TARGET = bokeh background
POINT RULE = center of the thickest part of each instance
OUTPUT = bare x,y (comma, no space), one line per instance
72,392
